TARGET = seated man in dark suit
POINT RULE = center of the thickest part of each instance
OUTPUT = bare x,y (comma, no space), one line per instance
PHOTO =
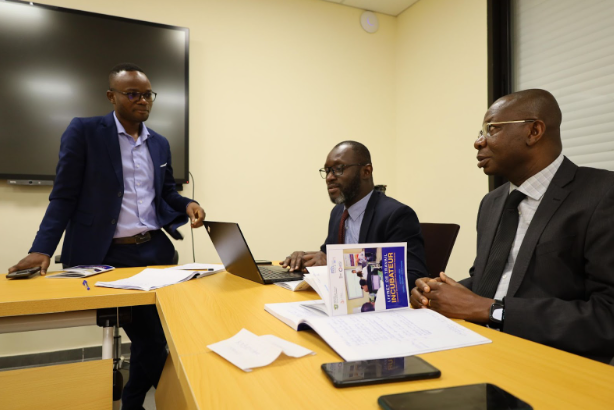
114,191
362,215
544,269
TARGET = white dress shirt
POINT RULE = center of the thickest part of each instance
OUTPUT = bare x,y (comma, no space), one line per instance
534,188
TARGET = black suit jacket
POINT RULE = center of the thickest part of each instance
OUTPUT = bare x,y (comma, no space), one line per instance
561,292
386,220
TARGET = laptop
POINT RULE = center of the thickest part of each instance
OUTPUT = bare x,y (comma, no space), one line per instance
232,248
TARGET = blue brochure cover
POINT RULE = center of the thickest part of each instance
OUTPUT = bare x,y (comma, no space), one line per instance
367,277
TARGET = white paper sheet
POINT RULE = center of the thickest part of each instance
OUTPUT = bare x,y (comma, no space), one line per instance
318,280
294,285
213,267
149,279
288,348
317,270
246,350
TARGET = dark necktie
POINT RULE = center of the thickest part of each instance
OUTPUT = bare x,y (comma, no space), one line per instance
501,246
344,217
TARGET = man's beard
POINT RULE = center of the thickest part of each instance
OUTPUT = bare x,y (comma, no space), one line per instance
349,192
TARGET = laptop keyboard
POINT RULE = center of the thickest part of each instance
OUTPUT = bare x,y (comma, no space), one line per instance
279,273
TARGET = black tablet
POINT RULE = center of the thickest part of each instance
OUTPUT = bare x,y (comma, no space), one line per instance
484,396
397,369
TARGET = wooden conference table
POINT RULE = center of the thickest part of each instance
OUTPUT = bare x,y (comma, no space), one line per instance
214,308
84,385
204,311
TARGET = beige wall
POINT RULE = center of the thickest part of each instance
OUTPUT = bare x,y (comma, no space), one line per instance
441,100
274,85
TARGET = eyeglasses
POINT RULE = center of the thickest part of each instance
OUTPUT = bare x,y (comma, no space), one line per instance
486,126
135,96
338,170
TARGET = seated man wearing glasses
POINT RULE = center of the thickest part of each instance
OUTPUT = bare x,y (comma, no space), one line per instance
362,214
544,269
114,191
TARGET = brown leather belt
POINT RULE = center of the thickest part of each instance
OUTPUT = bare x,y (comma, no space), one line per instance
136,239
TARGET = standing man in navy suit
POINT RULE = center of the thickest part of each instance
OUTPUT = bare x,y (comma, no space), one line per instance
361,214
114,191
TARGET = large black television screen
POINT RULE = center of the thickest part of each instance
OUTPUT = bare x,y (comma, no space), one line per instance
53,67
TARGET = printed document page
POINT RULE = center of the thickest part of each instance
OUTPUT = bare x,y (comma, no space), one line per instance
402,332
378,335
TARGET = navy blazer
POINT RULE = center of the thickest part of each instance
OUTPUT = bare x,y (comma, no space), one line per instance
561,293
89,185
386,220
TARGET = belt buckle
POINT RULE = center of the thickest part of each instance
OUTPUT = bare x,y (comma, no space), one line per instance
142,238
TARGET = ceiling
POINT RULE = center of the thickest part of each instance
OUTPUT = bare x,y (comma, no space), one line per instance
390,7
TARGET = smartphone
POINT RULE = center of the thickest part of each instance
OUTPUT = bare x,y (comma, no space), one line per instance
263,262
23,274
363,372
483,396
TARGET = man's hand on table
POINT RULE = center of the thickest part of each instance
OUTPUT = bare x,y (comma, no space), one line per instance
299,260
448,297
33,260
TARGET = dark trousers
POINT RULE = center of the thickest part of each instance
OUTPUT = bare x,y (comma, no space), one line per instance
148,347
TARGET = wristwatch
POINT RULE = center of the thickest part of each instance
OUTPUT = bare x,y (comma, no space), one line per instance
497,313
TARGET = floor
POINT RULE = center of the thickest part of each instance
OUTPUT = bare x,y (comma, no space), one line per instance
150,401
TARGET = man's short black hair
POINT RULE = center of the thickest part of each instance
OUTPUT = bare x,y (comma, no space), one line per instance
362,153
123,67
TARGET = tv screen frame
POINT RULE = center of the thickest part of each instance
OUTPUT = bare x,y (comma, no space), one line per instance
181,174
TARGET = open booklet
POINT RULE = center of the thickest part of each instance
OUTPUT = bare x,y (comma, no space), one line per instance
370,279
361,278
81,271
150,279
379,335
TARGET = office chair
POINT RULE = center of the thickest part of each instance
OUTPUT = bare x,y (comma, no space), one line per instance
438,243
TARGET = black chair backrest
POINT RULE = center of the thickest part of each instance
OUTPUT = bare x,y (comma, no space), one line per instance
438,243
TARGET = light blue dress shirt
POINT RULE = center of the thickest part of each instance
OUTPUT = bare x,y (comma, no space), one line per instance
138,211
354,221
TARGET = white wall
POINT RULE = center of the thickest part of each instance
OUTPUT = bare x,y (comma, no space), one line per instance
274,84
